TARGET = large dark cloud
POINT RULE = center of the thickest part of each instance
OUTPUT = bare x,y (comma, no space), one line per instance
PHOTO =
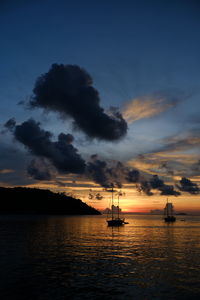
68,90
62,154
186,185
115,174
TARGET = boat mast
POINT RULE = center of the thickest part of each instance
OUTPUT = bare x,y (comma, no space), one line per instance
112,203
118,207
167,208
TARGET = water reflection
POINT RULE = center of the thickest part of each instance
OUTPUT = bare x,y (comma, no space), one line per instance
82,258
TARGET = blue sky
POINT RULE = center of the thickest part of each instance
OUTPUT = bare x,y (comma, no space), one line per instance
142,50
129,47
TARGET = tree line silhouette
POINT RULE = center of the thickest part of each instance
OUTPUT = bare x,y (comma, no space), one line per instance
37,201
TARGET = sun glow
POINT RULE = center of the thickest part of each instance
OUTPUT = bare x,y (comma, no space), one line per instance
131,200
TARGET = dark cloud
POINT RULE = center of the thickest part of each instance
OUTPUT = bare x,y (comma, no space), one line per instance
99,196
10,124
39,169
68,90
133,176
144,187
108,174
63,156
90,196
169,190
157,183
111,174
99,172
96,196
186,185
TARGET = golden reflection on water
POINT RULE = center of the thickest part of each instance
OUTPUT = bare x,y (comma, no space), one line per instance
80,256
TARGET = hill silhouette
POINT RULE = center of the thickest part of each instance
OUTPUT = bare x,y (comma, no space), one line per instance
37,201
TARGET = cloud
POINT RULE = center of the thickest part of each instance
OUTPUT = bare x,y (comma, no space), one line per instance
102,173
157,183
40,169
62,154
96,196
13,164
110,173
185,141
148,106
186,185
133,176
54,157
68,90
196,168
6,171
145,187
178,156
115,174
10,124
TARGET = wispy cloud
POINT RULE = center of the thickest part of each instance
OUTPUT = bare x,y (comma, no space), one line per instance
148,106
6,171
179,156
181,142
166,164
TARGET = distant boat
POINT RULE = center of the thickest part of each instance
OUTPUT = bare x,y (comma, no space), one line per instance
115,219
169,212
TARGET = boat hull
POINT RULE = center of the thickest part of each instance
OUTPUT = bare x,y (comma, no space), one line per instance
170,219
116,222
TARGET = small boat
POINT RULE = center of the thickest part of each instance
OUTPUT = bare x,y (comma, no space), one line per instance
115,219
116,222
169,212
170,219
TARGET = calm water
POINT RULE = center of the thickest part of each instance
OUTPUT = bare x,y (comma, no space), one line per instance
81,258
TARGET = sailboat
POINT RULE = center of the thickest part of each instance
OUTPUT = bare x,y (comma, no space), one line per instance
169,212
115,219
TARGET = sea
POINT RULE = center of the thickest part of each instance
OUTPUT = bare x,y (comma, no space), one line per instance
80,257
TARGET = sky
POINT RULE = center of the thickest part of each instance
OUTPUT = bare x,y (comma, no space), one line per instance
102,93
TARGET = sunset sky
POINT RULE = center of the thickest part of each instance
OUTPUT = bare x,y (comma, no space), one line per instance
95,93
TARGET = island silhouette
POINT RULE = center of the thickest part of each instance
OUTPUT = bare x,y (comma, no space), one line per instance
21,200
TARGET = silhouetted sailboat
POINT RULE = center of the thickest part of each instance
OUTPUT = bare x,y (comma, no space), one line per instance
169,212
115,219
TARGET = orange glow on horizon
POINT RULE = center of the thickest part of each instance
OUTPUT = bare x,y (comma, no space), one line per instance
131,201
